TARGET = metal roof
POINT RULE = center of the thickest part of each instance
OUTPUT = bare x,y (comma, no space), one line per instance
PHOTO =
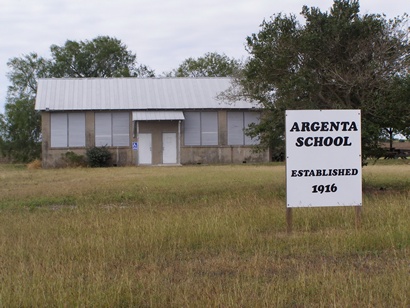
157,115
134,94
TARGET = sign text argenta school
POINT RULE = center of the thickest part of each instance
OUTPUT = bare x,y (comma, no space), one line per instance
323,158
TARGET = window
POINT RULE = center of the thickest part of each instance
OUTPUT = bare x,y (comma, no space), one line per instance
201,128
238,121
192,128
112,129
67,130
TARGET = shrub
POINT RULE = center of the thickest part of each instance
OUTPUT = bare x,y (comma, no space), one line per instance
72,159
98,157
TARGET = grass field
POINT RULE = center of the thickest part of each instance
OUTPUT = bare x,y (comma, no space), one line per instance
198,236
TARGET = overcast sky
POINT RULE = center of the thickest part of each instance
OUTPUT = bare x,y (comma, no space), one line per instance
162,33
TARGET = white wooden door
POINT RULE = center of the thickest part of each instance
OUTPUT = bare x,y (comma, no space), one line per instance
169,145
145,149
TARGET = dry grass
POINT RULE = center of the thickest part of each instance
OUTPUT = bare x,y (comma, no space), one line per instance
35,164
203,236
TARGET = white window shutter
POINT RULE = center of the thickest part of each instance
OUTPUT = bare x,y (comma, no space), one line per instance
76,129
235,128
103,129
58,130
209,128
121,129
192,128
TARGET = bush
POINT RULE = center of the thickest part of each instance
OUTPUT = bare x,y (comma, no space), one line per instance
72,159
98,157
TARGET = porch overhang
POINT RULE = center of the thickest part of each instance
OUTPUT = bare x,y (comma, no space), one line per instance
157,116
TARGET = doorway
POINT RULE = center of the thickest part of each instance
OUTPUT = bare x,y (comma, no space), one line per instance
145,149
169,148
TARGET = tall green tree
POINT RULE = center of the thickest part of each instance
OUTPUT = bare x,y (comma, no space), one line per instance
20,126
336,59
212,64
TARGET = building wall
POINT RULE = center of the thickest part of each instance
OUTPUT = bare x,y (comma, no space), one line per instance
221,155
218,154
46,156
53,157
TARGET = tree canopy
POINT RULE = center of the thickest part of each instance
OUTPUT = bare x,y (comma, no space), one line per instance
212,64
336,59
20,126
101,57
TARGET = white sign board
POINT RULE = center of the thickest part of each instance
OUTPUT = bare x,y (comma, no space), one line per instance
323,158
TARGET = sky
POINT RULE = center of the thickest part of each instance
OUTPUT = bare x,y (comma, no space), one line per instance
162,33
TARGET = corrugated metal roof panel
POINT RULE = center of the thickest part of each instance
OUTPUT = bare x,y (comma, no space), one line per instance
133,94
157,115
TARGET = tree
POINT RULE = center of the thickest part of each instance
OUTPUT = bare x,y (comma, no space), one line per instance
24,74
21,129
20,126
211,64
336,60
394,109
101,57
